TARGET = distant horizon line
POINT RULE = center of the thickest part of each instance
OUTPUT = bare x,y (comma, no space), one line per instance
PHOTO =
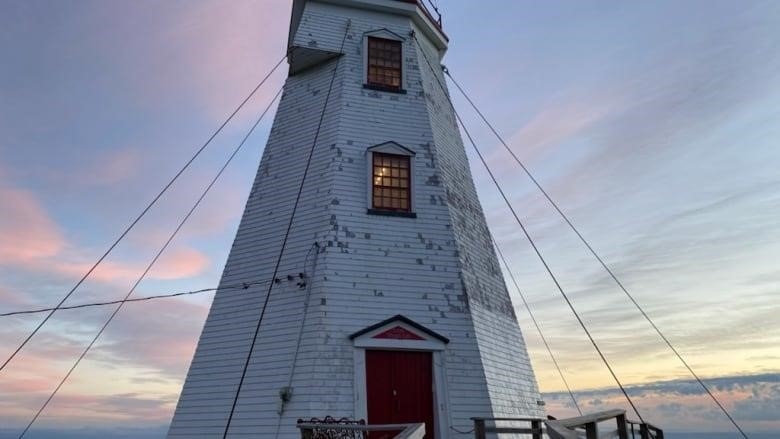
770,376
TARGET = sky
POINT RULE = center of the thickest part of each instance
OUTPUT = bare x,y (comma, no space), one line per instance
654,125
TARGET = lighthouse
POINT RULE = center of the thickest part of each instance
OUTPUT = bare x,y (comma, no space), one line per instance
362,282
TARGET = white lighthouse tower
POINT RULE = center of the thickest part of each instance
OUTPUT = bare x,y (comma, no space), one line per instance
387,303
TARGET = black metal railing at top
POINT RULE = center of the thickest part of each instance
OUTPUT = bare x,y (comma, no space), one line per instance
434,15
437,18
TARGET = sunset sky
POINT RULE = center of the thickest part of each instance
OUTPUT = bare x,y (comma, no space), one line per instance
655,125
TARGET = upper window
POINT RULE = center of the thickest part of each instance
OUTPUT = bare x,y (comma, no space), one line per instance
391,182
384,63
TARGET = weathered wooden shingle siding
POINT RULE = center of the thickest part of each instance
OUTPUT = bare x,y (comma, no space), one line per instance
387,265
208,393
437,269
511,381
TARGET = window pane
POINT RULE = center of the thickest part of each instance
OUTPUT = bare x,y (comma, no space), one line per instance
390,182
384,62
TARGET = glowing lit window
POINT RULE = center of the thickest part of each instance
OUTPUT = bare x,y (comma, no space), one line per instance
384,63
391,188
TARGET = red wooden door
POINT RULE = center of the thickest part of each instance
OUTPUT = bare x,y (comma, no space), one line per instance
400,389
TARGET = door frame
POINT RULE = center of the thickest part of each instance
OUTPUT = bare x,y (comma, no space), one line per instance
424,342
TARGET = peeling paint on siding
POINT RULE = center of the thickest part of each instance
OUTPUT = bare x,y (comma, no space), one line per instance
437,269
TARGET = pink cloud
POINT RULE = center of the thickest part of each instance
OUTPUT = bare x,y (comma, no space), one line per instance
107,271
141,347
29,238
555,124
12,298
179,264
112,167
175,264
105,168
560,120
160,335
220,209
27,233
215,53
238,45
224,206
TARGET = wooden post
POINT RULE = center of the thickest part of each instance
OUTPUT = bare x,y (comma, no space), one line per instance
479,429
306,433
591,430
536,425
644,432
621,426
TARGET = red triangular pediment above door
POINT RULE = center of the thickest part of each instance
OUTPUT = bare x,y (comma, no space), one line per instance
399,328
398,333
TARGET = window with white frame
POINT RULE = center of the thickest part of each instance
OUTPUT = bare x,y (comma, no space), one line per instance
384,63
391,187
391,179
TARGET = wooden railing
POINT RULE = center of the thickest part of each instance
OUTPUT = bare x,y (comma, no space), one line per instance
483,426
571,428
330,428
645,431
589,423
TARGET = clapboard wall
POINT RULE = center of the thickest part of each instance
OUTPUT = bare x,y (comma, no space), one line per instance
437,269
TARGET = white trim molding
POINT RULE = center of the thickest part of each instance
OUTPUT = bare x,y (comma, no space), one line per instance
386,35
390,148
421,339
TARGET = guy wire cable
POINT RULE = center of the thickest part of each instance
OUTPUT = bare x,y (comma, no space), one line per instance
536,323
309,283
286,234
549,271
530,239
597,256
141,215
138,299
153,261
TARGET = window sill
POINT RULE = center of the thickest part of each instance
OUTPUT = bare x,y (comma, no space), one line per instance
391,213
385,89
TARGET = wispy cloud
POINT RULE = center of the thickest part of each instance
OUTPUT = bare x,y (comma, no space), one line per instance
153,344
27,233
652,125
682,405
